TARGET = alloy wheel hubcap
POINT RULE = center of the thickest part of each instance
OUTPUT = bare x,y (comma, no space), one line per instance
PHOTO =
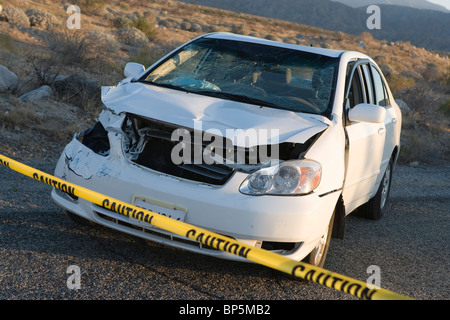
385,190
320,249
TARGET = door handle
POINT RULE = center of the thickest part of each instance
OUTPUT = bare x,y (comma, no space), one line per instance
394,121
381,130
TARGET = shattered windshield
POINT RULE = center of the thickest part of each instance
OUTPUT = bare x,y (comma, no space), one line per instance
252,73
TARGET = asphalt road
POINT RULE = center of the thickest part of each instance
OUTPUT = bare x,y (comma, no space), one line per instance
38,243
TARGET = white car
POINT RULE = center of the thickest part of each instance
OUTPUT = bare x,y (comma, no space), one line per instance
269,143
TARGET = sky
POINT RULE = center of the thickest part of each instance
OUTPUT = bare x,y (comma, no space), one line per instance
444,3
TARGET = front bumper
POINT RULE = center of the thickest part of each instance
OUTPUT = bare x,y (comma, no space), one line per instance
298,221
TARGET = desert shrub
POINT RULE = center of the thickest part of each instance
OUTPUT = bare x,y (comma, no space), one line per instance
22,115
123,22
90,6
367,37
80,91
145,56
239,29
133,37
425,133
424,146
105,41
398,82
14,16
147,26
431,72
6,43
144,24
422,100
445,108
150,54
124,6
71,45
446,79
70,48
40,18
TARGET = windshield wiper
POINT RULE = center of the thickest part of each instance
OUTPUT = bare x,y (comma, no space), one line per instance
237,97
165,85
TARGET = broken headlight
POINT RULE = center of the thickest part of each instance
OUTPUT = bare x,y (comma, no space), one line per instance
292,177
96,139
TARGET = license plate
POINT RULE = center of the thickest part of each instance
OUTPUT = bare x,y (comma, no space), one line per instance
164,209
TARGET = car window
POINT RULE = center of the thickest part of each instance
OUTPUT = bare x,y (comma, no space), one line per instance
355,95
368,85
253,73
382,98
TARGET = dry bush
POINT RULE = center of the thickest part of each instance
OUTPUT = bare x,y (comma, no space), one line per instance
397,82
446,79
145,56
423,101
80,91
22,115
445,108
7,43
62,50
71,47
423,146
24,123
431,72
145,24
152,53
426,128
90,6
64,53
367,38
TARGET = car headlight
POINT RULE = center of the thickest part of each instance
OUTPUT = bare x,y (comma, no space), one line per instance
292,177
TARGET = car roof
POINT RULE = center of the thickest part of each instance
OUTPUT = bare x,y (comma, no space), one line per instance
237,37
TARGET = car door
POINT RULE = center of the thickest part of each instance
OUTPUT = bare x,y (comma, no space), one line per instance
365,141
390,122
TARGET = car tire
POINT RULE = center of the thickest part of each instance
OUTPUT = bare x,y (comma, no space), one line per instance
318,255
374,209
80,220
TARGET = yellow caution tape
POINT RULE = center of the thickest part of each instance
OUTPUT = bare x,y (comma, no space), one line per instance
272,260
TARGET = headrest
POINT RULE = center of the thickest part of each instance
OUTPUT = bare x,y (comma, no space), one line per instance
277,75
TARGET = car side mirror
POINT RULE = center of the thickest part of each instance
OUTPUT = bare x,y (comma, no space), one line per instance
367,113
133,69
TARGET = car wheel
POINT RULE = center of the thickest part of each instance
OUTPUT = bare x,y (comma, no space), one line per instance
318,255
375,208
80,220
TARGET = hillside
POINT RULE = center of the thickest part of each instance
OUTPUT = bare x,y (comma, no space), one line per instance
69,66
423,28
418,4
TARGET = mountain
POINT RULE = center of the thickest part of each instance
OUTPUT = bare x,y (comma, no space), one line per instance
417,4
423,28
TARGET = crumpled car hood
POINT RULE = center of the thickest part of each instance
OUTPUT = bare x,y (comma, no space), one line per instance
210,113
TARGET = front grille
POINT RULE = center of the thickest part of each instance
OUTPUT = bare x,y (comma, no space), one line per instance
218,174
157,156
114,217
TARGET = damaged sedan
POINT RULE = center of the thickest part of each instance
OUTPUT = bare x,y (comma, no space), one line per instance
268,143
